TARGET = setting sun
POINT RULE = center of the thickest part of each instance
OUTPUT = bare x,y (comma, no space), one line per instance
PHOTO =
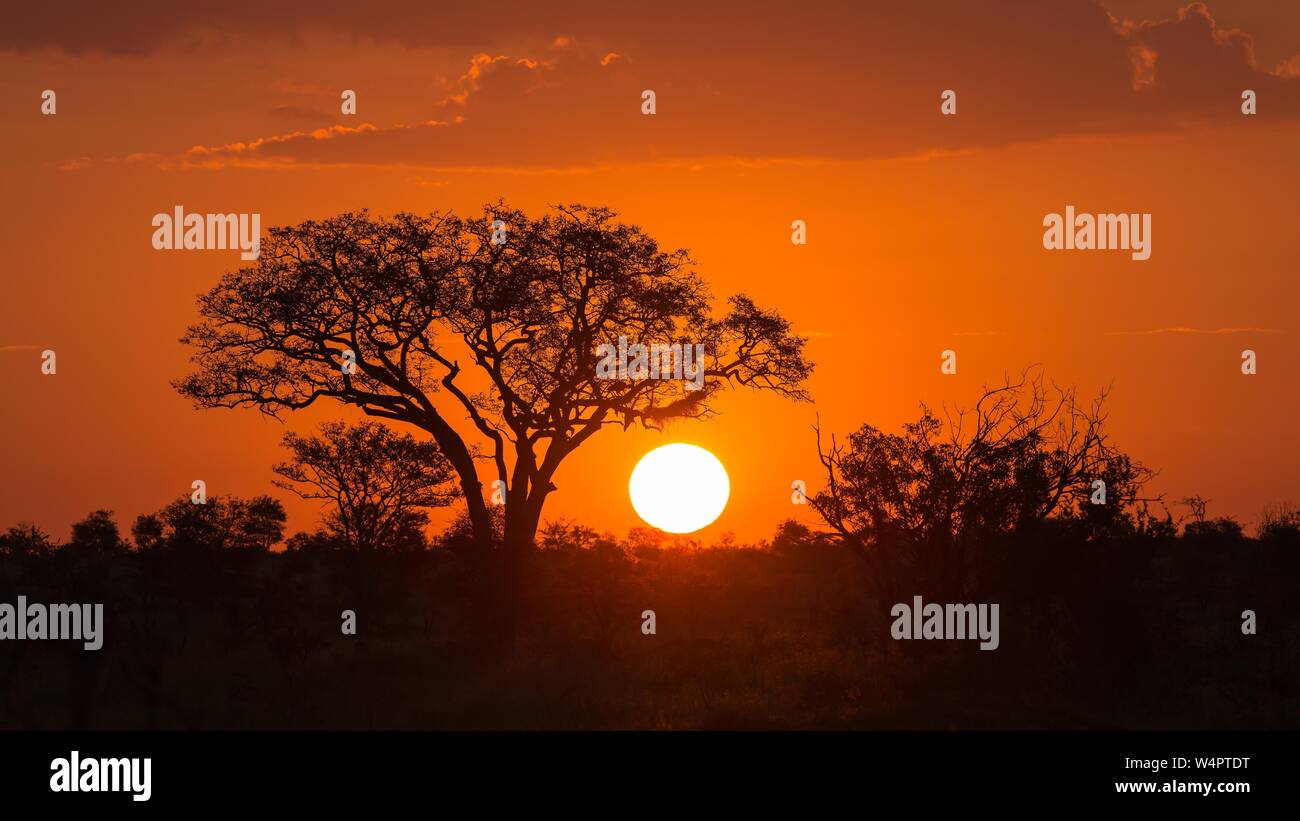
679,488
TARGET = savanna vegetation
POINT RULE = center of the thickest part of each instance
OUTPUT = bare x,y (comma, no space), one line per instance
1122,615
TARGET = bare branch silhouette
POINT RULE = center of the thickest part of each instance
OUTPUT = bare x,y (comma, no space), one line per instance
1026,451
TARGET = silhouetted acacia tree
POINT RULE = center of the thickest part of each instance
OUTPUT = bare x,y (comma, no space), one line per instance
25,539
224,522
1024,453
256,523
476,342
148,531
1280,521
568,535
377,481
321,540
97,533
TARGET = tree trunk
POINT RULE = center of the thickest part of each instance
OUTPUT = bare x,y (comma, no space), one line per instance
522,520
453,447
480,522
514,576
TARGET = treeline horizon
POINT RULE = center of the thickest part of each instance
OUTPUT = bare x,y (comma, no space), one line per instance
1113,614
257,523
1025,453
1113,631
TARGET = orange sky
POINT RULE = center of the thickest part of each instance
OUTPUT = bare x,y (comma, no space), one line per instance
924,231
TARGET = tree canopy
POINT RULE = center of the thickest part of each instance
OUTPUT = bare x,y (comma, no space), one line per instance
377,482
483,332
1025,452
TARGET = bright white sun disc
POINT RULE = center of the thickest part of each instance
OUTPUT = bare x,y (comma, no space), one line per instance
679,488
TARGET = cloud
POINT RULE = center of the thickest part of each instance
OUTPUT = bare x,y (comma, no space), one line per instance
74,164
1200,331
1198,69
146,27
801,82
264,151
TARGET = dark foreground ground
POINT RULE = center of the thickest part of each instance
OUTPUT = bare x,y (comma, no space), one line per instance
1138,633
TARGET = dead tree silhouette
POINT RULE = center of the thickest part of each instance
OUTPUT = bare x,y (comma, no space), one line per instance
1025,452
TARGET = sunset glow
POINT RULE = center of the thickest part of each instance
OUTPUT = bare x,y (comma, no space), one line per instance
679,488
